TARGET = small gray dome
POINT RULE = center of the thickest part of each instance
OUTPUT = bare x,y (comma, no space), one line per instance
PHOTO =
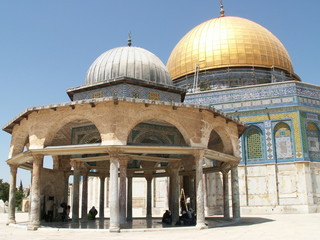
130,62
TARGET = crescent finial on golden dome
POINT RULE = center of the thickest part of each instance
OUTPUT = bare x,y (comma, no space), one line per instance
221,9
129,39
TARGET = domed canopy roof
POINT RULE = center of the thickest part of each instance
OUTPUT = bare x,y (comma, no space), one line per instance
129,62
227,42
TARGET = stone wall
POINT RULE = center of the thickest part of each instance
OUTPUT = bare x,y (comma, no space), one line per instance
52,185
297,190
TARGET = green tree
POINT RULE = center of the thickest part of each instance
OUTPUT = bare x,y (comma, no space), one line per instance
21,186
4,190
19,197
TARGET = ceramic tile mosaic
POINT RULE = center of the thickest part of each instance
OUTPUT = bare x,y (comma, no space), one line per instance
128,90
269,145
254,148
283,141
229,99
313,138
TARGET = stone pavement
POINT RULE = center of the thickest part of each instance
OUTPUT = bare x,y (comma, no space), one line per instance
257,227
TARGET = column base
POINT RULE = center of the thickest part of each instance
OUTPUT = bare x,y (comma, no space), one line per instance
33,227
11,221
236,219
114,229
201,226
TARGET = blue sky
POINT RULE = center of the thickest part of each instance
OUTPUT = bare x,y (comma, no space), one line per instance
46,47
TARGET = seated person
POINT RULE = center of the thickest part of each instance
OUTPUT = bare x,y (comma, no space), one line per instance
92,213
167,218
187,218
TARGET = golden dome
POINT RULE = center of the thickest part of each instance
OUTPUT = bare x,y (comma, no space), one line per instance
227,42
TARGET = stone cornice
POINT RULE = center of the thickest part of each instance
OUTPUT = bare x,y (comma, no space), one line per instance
92,102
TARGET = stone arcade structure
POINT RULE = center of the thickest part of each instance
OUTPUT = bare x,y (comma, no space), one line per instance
127,121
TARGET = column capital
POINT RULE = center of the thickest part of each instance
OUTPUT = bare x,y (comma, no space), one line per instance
174,167
84,171
123,160
130,174
37,158
67,173
114,153
149,179
234,164
198,154
225,167
102,175
13,168
76,164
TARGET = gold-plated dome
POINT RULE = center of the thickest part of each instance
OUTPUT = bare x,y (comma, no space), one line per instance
227,42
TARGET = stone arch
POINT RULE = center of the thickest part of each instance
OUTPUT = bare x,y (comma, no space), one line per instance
313,139
155,132
219,140
283,141
59,128
93,137
49,190
144,137
161,117
19,143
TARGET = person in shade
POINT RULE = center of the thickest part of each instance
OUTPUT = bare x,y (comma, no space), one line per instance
92,213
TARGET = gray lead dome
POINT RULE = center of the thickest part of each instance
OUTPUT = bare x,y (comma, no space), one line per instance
130,62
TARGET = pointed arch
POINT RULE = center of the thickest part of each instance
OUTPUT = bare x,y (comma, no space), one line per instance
283,141
160,120
76,130
155,131
253,145
313,141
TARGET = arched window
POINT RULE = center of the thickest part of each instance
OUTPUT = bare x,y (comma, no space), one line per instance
254,145
313,137
283,141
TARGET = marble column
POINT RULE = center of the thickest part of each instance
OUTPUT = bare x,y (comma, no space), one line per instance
84,202
235,193
102,196
12,195
129,199
192,193
149,197
174,191
199,188
114,193
123,160
34,222
226,207
66,186
170,190
76,190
